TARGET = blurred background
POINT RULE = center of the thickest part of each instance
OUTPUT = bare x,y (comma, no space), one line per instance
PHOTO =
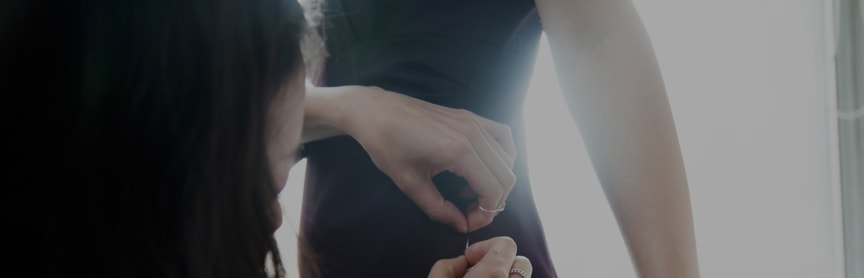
753,89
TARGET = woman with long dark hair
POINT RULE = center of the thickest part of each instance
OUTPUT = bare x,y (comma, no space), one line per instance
157,118
156,135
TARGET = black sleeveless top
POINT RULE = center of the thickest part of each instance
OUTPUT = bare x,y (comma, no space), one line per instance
477,55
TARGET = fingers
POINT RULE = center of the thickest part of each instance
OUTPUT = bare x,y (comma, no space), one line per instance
503,172
494,143
484,183
423,193
502,134
522,263
498,163
489,177
477,218
489,140
491,258
449,268
499,134
492,159
425,139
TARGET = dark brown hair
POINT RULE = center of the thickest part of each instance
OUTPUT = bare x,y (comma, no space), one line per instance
142,132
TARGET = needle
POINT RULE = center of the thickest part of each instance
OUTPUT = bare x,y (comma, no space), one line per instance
467,239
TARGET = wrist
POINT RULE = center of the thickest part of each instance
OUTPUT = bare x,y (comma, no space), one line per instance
320,106
328,112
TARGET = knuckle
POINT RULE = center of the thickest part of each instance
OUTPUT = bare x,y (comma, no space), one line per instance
376,88
506,130
456,146
496,193
509,181
464,114
466,127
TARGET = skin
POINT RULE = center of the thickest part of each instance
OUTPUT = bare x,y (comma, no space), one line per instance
611,81
489,258
285,117
441,139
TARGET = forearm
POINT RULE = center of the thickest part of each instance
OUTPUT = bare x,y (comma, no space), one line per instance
323,113
613,86
411,141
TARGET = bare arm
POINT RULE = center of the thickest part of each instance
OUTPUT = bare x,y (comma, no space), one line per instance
322,114
612,84
411,141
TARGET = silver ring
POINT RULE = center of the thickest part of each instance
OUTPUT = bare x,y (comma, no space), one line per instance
492,210
519,271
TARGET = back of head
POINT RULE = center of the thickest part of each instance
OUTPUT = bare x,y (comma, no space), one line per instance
138,138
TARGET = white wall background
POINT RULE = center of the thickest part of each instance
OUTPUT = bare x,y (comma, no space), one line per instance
749,88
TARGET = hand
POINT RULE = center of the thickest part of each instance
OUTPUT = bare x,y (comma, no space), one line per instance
411,141
489,258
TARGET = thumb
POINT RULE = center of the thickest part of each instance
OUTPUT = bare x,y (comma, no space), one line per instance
425,195
449,268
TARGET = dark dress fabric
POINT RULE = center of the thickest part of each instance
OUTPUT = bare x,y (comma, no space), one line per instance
477,55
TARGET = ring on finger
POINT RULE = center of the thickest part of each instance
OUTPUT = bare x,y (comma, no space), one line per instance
519,271
497,210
